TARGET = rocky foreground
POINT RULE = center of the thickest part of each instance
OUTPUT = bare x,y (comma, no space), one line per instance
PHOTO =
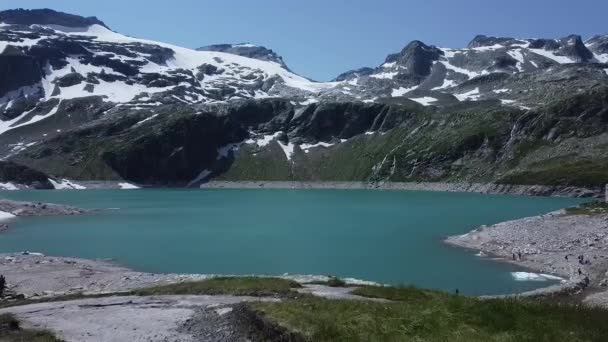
17,208
570,245
128,318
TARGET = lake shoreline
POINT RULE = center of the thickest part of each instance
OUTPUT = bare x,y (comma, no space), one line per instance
550,244
501,252
484,188
37,276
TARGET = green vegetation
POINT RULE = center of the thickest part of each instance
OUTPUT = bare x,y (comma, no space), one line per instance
580,173
419,315
593,208
10,331
407,294
238,286
336,282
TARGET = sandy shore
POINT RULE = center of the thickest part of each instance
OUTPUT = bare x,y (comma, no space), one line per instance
550,244
530,190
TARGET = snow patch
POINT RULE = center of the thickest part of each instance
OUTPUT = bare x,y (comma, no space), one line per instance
65,184
287,149
472,95
307,147
425,101
551,55
603,58
519,57
308,102
527,276
127,186
8,186
265,140
5,216
446,84
501,91
470,74
402,91
385,75
489,48
146,119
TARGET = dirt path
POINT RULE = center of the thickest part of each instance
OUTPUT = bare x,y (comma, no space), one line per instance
136,319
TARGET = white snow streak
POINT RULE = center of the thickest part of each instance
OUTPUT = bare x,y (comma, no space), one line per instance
472,95
425,101
402,91
551,55
127,186
65,184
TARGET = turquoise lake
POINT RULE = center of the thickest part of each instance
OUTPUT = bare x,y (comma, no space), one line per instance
392,237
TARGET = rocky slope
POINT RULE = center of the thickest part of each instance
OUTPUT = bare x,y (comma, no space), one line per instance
80,101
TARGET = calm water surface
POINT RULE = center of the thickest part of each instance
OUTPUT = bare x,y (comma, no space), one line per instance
387,236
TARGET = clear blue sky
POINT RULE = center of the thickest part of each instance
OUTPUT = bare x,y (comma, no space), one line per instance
321,39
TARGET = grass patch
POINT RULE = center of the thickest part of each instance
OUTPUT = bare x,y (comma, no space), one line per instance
419,315
409,294
10,331
581,173
336,282
593,208
237,286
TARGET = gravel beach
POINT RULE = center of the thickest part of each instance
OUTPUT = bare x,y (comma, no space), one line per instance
550,244
485,188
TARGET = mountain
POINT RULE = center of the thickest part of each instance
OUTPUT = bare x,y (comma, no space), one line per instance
82,102
247,50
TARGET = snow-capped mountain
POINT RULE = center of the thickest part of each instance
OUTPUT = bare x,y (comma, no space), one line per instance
48,57
247,50
80,101
423,73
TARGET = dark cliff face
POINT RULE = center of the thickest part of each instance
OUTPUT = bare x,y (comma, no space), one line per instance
558,144
19,174
416,57
17,71
174,148
46,17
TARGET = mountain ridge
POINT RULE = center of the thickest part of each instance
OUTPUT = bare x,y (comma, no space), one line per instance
69,97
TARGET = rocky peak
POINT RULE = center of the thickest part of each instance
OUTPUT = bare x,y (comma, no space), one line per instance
482,40
365,71
416,57
46,17
598,44
571,46
247,50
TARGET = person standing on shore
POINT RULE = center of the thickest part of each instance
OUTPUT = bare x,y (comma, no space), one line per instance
2,285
